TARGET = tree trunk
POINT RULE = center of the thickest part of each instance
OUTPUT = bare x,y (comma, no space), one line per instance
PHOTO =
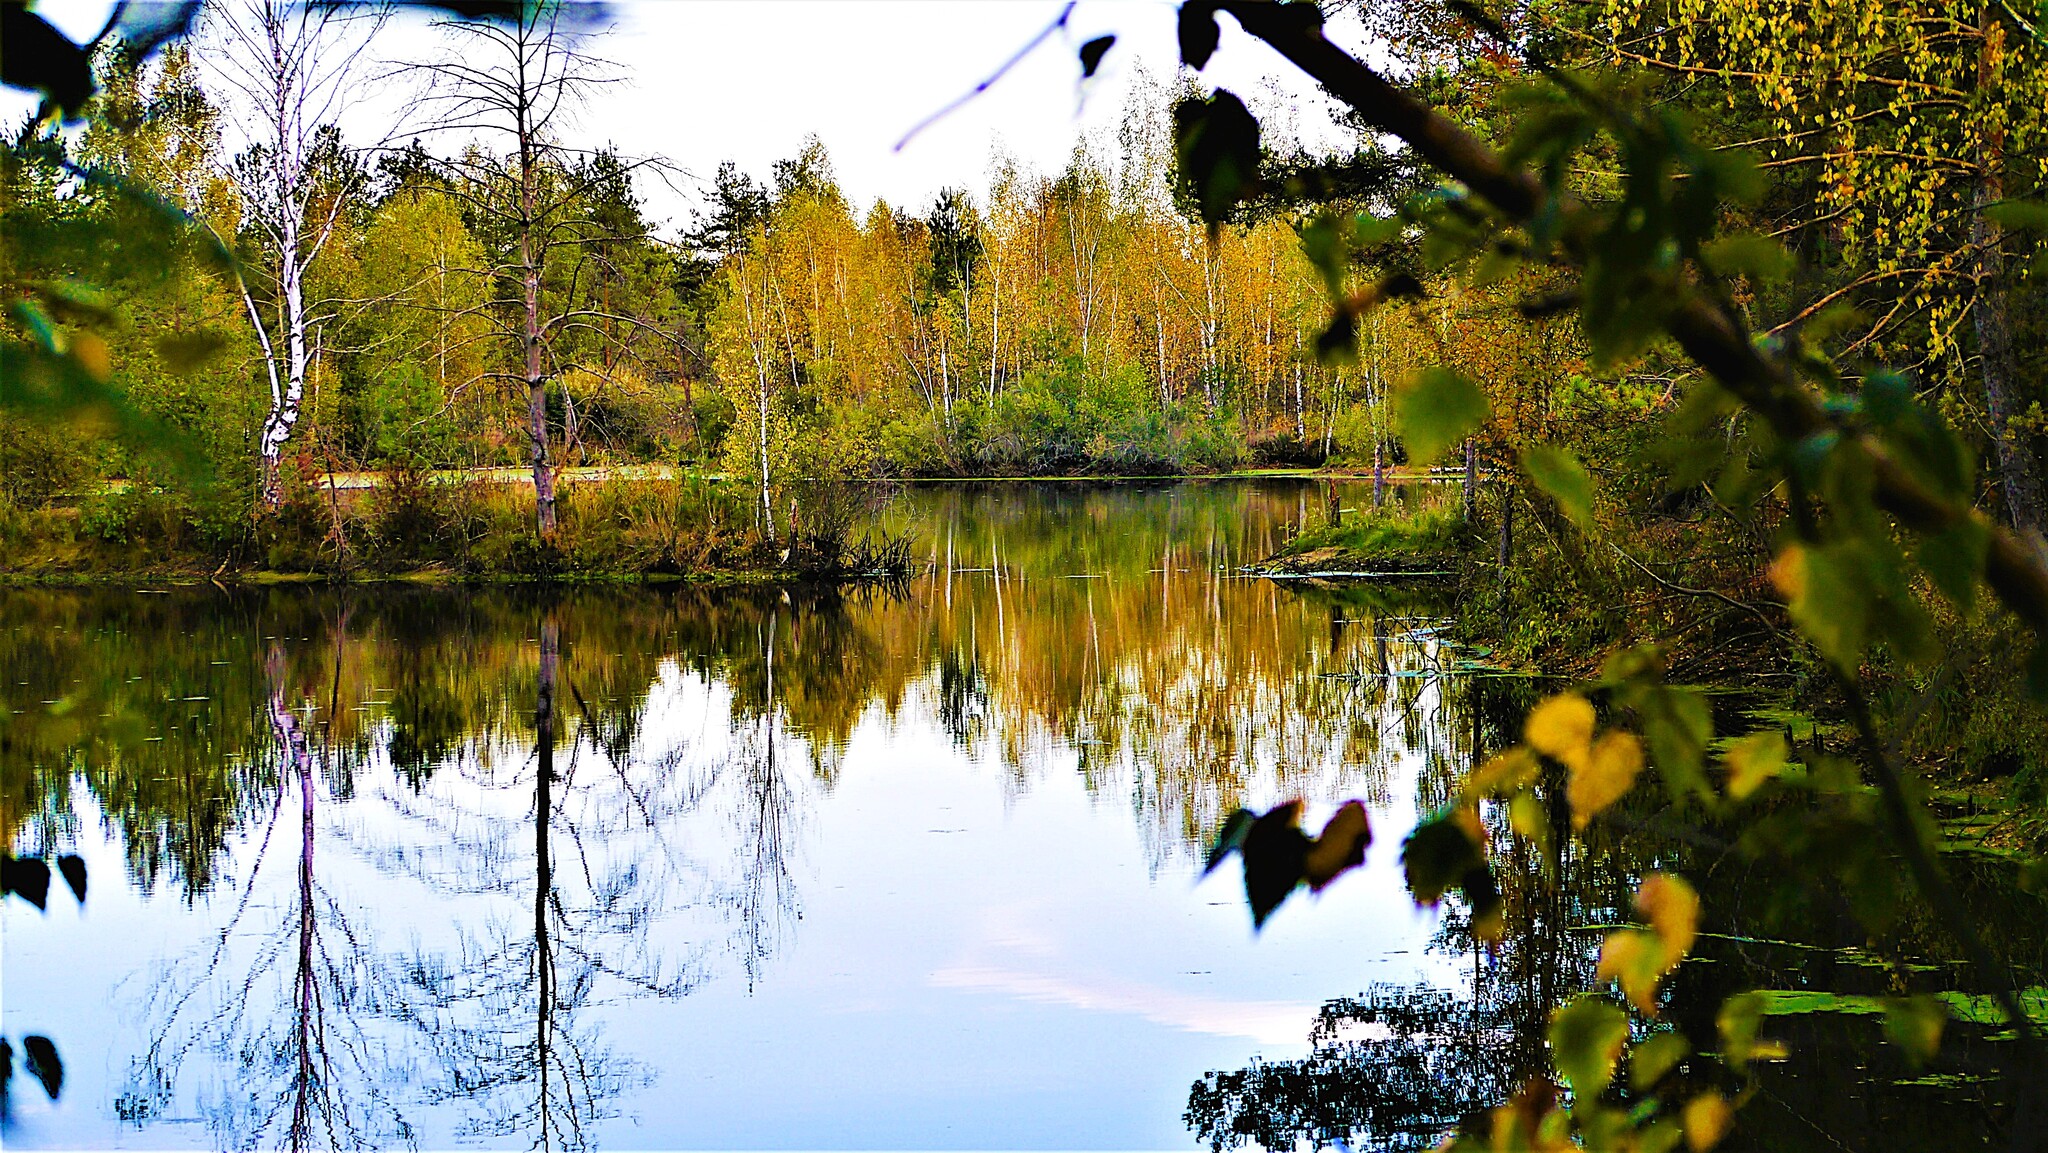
1471,482
536,376
2019,471
1379,472
1506,546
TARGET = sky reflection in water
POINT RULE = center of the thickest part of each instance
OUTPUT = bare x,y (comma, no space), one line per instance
911,870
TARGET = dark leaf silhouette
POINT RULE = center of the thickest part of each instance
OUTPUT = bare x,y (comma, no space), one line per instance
1274,852
73,868
1340,848
1198,34
43,1063
30,878
36,56
1437,857
1092,53
1216,144
1230,838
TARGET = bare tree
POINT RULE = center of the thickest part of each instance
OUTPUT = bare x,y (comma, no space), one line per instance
517,80
290,64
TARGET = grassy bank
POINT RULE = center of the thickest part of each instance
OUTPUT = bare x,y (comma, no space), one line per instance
412,528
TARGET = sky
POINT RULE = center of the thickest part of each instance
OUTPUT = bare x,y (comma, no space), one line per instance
748,80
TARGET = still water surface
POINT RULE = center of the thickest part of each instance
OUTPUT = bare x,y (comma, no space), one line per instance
671,868
893,869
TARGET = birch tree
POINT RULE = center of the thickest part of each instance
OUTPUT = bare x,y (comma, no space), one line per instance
291,65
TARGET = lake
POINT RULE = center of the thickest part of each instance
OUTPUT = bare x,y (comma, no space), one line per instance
668,867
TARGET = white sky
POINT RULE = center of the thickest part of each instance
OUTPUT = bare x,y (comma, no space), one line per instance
748,80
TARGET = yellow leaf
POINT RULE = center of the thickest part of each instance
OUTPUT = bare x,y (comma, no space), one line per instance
1635,959
1603,775
1561,727
1342,846
1504,772
92,355
1673,909
1707,1118
1753,760
1788,572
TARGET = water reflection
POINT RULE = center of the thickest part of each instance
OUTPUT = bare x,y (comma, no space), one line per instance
738,868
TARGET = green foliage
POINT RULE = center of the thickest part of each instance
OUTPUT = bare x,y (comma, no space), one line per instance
1440,408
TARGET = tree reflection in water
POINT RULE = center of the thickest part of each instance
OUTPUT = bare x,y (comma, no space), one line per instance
506,1018
292,1008
1394,1069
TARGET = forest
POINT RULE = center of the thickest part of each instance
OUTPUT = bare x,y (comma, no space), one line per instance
1598,504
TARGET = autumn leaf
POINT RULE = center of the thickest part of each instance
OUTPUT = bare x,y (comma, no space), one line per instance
1560,727
1586,1036
1753,760
1707,1118
1341,846
1603,775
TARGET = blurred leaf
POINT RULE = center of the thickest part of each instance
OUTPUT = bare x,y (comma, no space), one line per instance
1502,774
1753,760
1092,53
1954,560
1738,1021
1436,857
1603,775
145,27
1586,1036
1760,258
1828,598
1341,846
1198,33
1914,1024
43,1063
35,56
1439,409
186,352
27,877
2022,214
1230,838
1634,959
1560,727
1707,1118
1527,817
1216,146
73,868
1559,474
1656,1055
1275,850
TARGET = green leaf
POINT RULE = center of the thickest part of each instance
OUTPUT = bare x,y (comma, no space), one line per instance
1439,409
1656,1055
1760,258
1914,1024
1558,473
1737,1022
1436,857
1954,560
1829,597
1586,1036
2020,214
